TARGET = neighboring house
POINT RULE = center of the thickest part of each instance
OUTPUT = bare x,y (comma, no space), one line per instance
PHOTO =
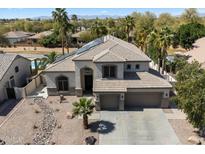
17,36
39,36
14,70
76,38
197,53
116,72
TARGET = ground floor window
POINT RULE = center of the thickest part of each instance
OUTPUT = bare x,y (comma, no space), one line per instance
62,83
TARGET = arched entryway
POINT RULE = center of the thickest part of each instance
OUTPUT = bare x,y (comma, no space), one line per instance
62,83
87,80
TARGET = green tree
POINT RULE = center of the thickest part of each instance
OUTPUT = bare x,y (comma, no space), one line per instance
165,41
50,41
165,20
190,88
74,19
49,59
61,19
189,33
129,26
190,16
144,25
3,41
83,108
98,28
87,36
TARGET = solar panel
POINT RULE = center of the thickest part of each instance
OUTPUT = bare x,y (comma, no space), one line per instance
90,45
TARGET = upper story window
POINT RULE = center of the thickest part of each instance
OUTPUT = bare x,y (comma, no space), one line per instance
137,66
128,67
16,69
109,71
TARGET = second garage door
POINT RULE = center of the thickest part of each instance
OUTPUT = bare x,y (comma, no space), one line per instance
143,99
109,101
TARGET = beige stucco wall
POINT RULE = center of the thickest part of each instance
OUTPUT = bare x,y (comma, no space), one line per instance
78,66
19,77
144,66
51,78
120,68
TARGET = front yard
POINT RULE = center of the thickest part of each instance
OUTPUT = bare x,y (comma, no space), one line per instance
48,123
24,127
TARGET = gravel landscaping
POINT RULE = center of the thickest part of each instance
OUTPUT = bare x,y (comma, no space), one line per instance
183,130
45,122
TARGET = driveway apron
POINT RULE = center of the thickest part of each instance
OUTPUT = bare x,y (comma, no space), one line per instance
147,126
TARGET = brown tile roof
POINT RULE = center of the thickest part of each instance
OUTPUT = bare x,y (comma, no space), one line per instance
121,49
6,59
145,80
65,65
18,34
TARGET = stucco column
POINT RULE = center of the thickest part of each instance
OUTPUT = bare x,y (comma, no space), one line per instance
122,101
78,88
97,102
165,99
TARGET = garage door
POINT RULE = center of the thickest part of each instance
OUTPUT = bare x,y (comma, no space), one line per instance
109,101
143,99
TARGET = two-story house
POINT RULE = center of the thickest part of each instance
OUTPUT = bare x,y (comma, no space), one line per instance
14,71
116,72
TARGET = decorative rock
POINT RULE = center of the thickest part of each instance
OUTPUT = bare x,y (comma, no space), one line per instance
69,115
35,126
2,142
47,125
57,110
59,126
194,140
61,98
90,140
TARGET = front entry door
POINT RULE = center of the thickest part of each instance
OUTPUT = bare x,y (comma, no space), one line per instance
88,83
11,93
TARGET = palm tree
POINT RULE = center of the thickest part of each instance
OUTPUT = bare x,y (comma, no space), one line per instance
98,28
191,16
165,40
84,107
61,19
153,40
49,59
129,26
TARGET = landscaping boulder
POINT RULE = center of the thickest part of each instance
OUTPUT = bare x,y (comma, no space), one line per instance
194,140
90,140
2,142
61,98
69,115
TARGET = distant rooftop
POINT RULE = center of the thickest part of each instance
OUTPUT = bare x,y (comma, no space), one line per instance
18,34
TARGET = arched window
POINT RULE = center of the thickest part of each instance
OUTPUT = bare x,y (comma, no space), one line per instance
62,83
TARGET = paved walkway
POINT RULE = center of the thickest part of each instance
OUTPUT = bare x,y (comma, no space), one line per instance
149,126
41,91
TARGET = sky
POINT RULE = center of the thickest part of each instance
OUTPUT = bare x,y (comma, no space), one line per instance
36,12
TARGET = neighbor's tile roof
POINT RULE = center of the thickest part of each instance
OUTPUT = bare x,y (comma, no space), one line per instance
5,62
18,34
122,49
146,80
41,35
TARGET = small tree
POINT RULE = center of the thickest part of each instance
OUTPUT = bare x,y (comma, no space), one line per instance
84,107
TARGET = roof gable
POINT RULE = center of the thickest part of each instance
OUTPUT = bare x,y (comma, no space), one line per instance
126,51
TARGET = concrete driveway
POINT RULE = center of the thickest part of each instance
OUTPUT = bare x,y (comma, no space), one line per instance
147,126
